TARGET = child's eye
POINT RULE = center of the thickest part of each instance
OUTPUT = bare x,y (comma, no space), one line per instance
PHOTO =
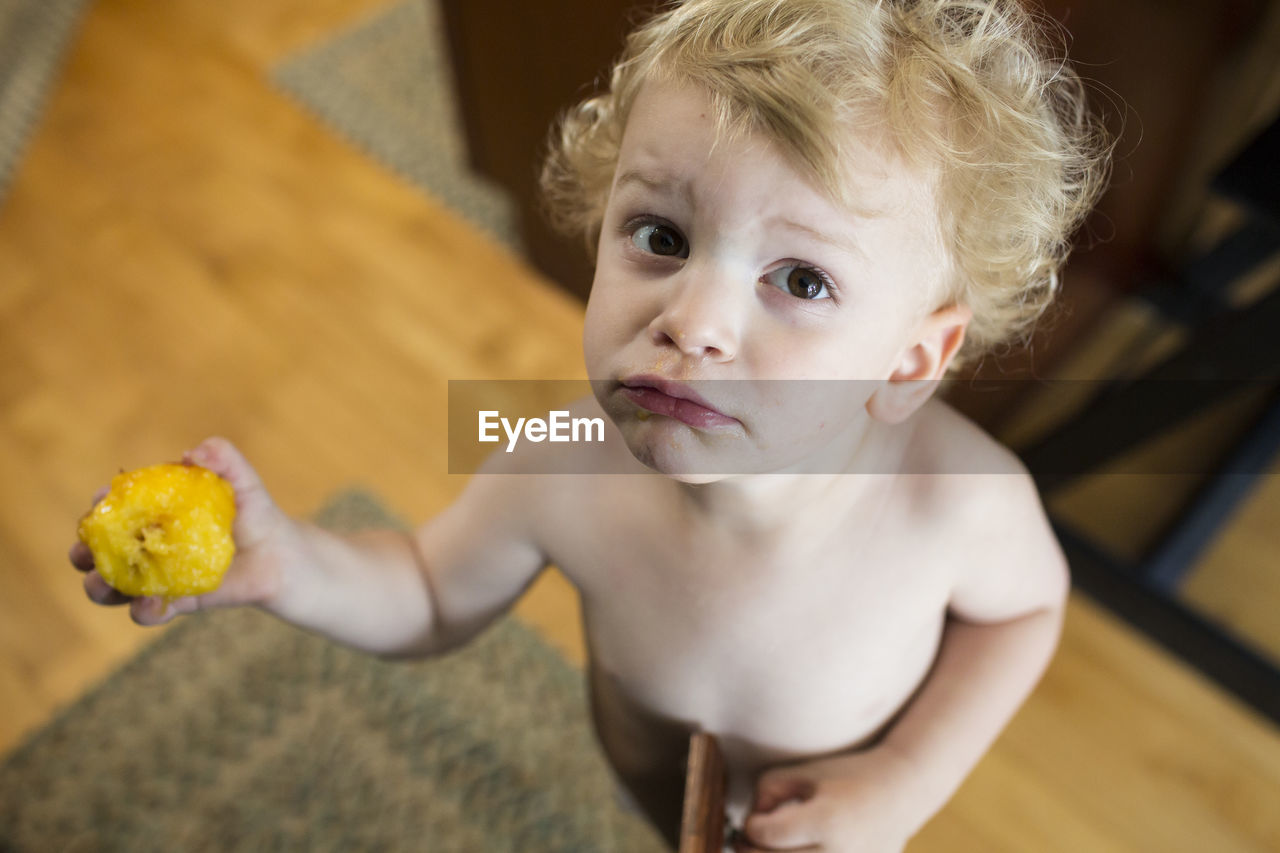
659,239
801,282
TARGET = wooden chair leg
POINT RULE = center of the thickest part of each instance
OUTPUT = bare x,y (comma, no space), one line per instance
702,824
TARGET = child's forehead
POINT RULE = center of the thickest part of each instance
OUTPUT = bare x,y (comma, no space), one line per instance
677,132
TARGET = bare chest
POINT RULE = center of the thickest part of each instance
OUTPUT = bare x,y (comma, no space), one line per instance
783,653
801,663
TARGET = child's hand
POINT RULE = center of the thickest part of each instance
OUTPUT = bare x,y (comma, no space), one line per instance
856,803
266,543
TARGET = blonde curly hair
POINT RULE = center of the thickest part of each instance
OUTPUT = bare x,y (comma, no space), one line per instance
967,88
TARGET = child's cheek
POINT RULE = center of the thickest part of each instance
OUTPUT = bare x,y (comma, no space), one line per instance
617,317
597,351
595,344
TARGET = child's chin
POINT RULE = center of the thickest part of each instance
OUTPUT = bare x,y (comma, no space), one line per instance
694,479
678,457
682,476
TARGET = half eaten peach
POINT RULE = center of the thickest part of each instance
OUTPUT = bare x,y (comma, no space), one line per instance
163,530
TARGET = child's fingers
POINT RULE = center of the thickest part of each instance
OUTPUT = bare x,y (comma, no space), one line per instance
157,610
739,844
101,592
150,610
81,557
223,458
256,514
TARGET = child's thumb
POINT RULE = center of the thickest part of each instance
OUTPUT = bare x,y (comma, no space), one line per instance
776,787
256,512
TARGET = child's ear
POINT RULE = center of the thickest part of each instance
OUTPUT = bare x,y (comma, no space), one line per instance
921,365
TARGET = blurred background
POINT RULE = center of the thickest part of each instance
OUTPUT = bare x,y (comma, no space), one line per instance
292,223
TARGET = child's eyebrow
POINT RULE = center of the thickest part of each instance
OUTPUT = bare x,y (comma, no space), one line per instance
660,183
843,243
674,185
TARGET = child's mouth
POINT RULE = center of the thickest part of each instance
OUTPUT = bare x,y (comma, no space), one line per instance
674,401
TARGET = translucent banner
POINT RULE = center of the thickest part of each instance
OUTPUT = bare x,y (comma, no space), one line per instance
1059,428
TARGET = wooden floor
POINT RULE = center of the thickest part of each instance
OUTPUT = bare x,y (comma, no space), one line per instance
186,252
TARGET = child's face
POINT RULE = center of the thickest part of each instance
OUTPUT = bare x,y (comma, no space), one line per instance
719,262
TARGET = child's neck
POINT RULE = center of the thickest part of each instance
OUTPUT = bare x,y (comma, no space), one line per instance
858,467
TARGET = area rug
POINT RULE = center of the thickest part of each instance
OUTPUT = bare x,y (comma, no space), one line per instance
386,85
34,35
233,731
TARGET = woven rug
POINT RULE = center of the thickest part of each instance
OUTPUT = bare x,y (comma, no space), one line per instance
386,85
233,731
34,35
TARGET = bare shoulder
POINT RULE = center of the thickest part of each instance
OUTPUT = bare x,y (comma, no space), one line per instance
1007,559
948,441
960,471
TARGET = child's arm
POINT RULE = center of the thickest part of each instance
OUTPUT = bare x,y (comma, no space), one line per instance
385,592
983,674
413,594
1006,616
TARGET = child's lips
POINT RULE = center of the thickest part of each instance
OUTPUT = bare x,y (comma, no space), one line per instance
674,400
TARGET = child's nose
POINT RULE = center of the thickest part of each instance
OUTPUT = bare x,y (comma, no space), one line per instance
702,318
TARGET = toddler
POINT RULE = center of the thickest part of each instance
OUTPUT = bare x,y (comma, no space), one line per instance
775,192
